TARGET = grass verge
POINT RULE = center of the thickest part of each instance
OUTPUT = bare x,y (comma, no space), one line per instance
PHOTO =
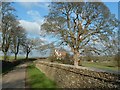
36,79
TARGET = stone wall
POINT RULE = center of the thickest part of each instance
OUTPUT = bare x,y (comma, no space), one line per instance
68,76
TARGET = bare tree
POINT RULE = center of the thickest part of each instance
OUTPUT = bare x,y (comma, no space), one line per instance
36,44
8,21
18,38
112,48
28,46
0,16
80,24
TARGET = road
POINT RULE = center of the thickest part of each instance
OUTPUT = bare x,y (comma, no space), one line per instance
15,78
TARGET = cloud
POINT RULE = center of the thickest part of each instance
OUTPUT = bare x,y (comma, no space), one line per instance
35,15
30,27
32,0
34,26
33,29
43,39
30,5
29,0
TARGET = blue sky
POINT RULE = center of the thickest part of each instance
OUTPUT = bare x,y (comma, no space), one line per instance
113,6
41,7
31,15
23,7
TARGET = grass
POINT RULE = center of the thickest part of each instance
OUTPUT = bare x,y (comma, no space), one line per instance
107,66
36,79
11,58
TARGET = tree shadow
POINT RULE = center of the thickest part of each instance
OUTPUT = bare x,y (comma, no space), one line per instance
8,66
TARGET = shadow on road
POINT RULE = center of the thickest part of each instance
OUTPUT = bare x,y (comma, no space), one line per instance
8,66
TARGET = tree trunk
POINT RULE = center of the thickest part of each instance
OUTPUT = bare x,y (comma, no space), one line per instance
15,56
76,59
27,55
5,56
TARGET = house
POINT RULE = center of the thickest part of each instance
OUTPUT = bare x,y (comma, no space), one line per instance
60,53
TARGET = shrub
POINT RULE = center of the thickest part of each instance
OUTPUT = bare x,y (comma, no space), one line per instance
117,60
52,58
68,59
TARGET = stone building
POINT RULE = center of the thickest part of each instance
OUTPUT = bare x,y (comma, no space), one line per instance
60,53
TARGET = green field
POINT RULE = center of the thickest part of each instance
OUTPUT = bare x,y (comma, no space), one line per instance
104,66
36,79
11,58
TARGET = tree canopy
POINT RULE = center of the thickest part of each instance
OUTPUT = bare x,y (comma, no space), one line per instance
80,25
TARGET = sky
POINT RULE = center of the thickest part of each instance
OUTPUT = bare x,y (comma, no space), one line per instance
31,16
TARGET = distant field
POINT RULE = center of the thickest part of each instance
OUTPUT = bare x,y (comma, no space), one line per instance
108,65
12,57
1,58
105,66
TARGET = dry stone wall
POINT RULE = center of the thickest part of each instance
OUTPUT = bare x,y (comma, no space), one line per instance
68,76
